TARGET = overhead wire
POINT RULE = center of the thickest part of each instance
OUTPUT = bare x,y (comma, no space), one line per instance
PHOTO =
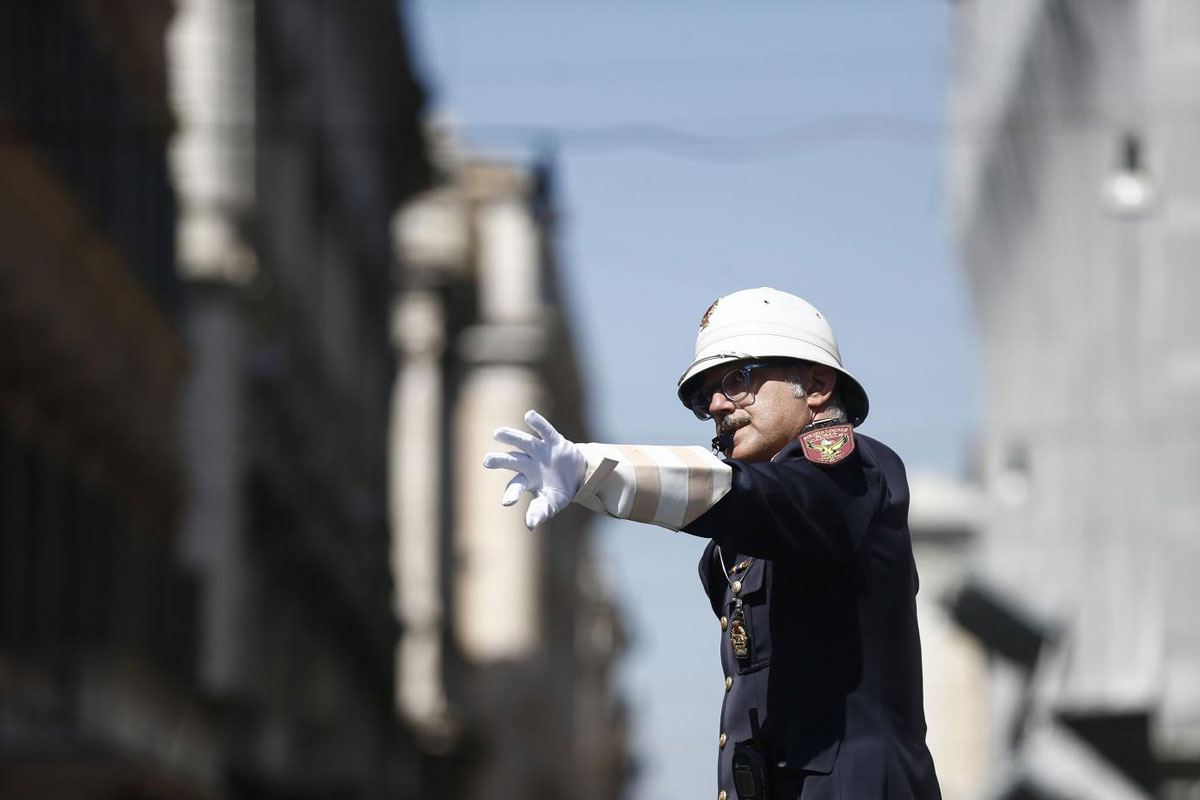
664,139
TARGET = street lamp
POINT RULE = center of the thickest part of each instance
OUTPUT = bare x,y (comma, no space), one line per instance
1129,190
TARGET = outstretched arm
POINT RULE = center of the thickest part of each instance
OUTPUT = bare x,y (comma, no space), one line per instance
667,486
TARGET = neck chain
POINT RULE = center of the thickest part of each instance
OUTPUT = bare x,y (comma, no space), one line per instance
734,586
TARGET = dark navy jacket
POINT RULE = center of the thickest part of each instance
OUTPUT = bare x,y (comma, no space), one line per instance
830,603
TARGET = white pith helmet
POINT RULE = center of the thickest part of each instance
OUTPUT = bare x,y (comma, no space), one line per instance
767,324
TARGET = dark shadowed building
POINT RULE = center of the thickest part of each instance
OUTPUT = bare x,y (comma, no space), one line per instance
195,278
98,690
297,140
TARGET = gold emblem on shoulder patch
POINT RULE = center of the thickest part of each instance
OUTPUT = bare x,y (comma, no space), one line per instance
707,314
829,445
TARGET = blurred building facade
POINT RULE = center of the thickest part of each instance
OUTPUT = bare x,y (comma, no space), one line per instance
1074,186
505,664
297,139
946,522
97,683
195,277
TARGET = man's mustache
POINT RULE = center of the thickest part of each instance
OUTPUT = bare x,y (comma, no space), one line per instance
731,424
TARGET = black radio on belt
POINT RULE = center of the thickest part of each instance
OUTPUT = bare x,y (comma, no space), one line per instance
751,766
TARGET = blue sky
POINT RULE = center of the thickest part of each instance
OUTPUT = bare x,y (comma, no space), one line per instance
704,147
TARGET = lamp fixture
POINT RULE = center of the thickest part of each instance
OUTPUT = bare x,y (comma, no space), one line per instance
1129,190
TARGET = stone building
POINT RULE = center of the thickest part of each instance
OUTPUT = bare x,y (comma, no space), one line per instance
98,696
297,138
1075,195
945,522
505,663
195,368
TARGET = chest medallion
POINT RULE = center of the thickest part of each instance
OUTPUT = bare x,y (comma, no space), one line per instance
739,637
739,634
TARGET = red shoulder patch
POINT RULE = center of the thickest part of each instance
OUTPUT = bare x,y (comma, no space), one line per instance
829,445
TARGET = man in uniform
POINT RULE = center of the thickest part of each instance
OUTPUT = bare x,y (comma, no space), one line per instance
809,569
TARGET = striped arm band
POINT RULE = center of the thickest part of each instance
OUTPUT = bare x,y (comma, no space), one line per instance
667,486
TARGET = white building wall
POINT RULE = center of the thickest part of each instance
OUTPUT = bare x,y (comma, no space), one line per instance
211,54
416,461
1170,328
498,582
509,629
945,522
499,578
1090,338
210,48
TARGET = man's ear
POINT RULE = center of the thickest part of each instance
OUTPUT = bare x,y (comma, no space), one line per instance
819,386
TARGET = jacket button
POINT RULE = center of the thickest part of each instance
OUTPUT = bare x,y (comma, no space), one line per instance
728,683
722,741
721,795
724,623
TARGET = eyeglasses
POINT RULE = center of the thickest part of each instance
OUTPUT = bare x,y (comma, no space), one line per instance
734,384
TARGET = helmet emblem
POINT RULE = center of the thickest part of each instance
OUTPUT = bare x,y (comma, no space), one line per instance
707,314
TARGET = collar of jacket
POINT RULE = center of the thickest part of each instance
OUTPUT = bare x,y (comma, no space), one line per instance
840,419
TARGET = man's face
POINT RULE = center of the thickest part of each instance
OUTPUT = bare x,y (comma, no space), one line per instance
765,420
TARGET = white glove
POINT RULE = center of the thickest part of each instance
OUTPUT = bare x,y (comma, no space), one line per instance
550,468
